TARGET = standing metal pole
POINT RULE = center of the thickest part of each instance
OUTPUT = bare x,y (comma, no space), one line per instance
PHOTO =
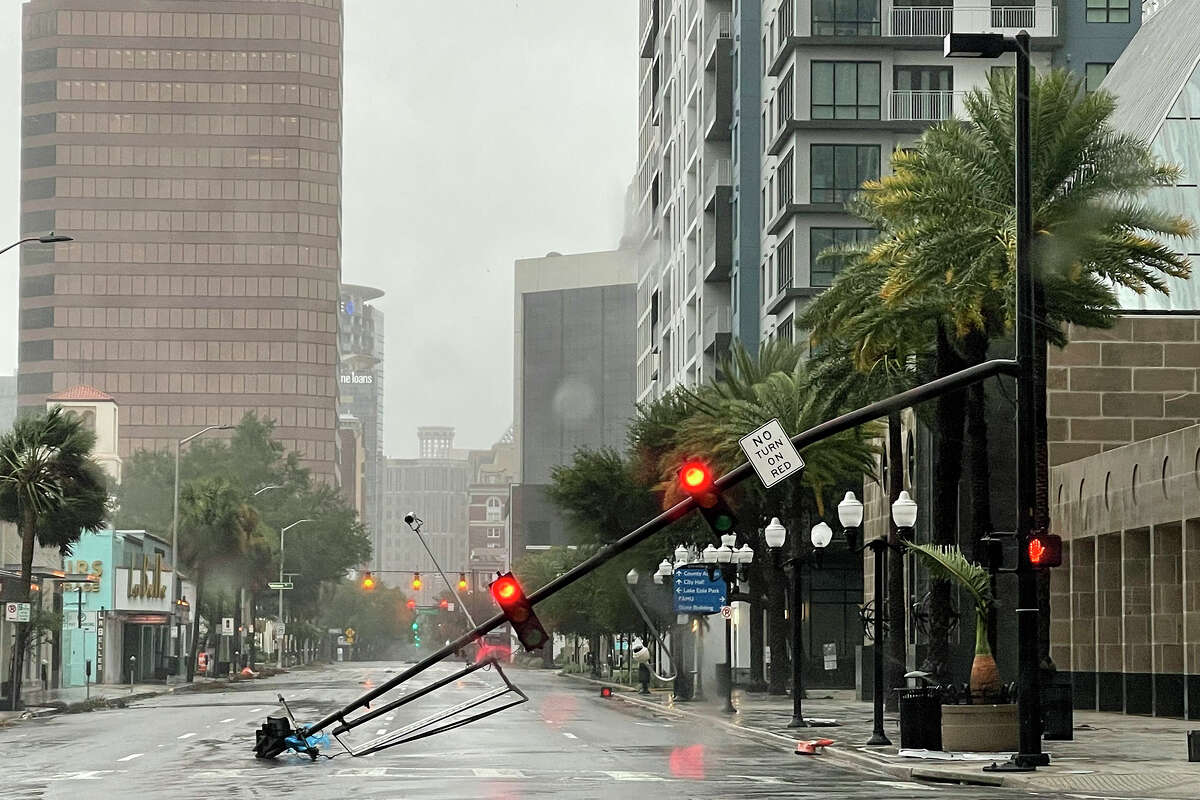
798,720
1029,702
729,667
879,547
279,648
176,586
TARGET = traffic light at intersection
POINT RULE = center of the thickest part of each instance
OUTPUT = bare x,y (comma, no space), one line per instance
509,595
696,480
1044,550
462,581
368,582
416,582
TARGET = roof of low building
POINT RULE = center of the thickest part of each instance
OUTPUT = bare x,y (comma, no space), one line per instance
82,393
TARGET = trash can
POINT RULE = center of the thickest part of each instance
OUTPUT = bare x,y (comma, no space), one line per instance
722,679
920,718
1193,740
1058,713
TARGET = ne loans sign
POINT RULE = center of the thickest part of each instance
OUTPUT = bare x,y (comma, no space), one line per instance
771,453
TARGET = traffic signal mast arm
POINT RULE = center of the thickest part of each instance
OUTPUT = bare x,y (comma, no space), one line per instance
936,388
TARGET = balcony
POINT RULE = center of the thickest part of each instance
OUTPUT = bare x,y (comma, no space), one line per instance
921,21
718,257
720,35
1039,20
922,106
648,14
718,116
718,330
720,175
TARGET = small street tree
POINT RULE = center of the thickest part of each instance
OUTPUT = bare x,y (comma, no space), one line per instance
53,490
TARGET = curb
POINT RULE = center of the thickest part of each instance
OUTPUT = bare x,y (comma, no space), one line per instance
844,757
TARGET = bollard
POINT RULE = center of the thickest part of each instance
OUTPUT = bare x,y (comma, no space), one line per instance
1193,744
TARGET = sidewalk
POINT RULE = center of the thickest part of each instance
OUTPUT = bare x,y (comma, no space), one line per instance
1111,753
42,703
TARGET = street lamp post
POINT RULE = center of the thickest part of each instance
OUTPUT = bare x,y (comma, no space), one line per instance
179,443
282,531
50,238
1028,314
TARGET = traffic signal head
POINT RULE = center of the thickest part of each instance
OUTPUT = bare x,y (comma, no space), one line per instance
445,604
1044,550
411,605
462,582
368,582
416,582
519,611
696,480
415,626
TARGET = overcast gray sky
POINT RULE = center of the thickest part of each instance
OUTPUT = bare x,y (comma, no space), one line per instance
476,132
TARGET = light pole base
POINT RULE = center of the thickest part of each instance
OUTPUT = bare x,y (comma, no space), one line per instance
878,739
798,722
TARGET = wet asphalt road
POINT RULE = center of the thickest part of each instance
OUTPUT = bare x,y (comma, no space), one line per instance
566,742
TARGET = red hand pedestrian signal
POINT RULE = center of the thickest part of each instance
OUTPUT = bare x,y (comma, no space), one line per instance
1045,550
519,611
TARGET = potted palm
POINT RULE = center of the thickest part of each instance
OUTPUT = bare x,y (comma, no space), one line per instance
981,726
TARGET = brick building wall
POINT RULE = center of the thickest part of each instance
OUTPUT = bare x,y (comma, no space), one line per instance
1110,387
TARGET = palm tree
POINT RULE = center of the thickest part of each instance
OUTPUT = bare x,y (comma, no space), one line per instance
216,529
951,223
53,490
748,396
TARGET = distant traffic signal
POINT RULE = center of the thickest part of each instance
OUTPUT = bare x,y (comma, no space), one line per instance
368,582
412,604
1044,550
462,581
696,479
416,582
445,604
518,610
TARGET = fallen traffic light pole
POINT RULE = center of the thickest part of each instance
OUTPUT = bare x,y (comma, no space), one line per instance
274,736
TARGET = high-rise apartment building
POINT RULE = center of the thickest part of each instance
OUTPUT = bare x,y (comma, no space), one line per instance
360,390
845,85
193,152
696,188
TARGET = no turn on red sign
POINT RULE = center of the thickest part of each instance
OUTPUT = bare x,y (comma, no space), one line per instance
771,453
16,612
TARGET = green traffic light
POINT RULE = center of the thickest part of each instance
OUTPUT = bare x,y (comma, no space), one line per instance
724,523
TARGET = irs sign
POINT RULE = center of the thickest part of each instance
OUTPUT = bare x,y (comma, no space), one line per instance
771,453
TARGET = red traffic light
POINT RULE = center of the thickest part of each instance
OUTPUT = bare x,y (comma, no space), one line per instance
695,476
519,611
1045,550
445,604
412,604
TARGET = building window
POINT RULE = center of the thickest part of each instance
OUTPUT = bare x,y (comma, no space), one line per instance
786,330
784,100
493,509
845,18
1108,10
785,262
838,170
785,180
785,23
845,90
493,533
823,272
1094,75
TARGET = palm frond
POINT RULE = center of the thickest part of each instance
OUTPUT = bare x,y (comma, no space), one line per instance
947,563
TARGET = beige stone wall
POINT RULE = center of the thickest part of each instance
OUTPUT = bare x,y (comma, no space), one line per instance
1133,381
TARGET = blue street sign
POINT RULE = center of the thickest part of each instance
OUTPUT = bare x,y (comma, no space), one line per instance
696,594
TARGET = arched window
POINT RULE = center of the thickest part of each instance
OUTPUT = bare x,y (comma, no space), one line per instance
493,509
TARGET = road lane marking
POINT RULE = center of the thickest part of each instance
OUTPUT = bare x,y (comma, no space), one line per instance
498,773
131,757
186,736
230,719
633,776
255,710
570,735
90,775
381,732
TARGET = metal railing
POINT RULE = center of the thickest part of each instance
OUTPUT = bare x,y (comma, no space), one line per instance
719,320
721,27
922,20
922,105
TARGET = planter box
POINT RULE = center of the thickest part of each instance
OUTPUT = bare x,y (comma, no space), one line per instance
981,728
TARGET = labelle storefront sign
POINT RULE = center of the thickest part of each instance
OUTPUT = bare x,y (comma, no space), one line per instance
143,587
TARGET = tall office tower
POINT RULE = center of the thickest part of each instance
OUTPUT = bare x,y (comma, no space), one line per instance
360,391
193,152
845,85
696,189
